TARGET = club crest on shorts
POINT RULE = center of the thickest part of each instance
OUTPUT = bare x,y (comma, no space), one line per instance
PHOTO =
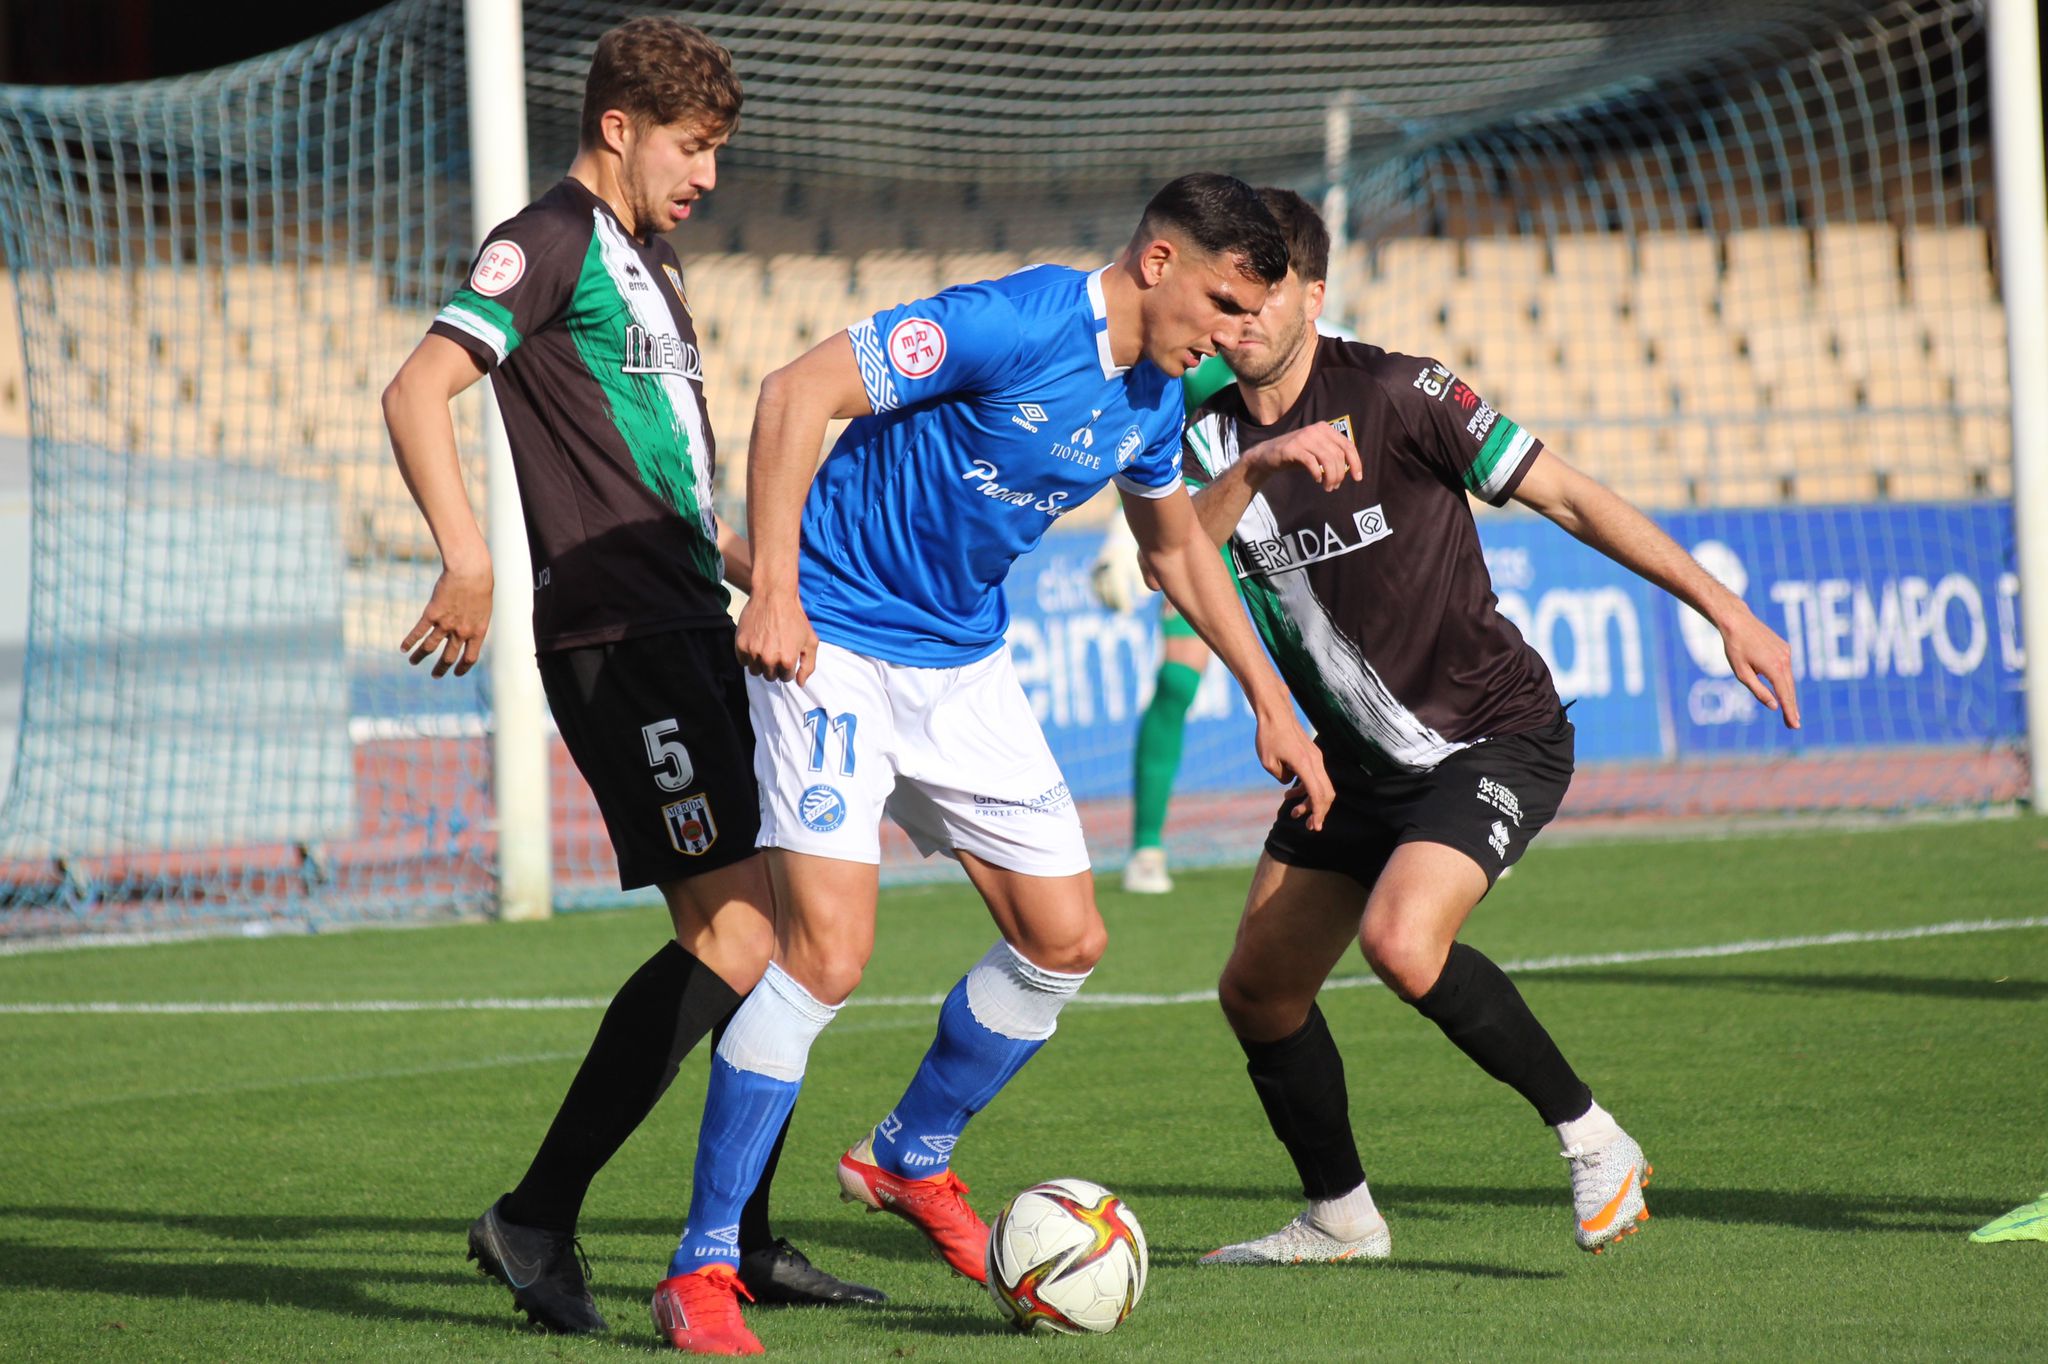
690,826
821,808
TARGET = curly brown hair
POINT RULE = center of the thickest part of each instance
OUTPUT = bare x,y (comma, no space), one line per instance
657,70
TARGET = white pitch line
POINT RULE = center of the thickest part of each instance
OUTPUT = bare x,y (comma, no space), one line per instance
1529,966
290,1082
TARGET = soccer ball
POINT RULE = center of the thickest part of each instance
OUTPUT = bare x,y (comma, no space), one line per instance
1066,1256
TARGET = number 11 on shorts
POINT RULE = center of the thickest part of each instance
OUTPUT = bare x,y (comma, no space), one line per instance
844,726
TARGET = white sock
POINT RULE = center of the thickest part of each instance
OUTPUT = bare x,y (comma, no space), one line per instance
772,1030
1349,1217
1014,997
1590,1132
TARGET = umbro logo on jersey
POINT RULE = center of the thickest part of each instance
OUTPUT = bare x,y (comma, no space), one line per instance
1028,416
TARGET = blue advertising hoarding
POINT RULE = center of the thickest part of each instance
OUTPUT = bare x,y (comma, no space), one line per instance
1902,618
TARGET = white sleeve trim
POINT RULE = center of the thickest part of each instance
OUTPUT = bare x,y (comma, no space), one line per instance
1147,490
468,323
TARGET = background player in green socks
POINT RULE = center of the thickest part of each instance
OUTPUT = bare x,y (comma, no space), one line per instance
1183,658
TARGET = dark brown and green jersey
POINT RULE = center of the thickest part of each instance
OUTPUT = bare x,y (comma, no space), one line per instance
1374,599
594,360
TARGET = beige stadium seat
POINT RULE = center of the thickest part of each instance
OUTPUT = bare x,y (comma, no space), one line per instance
342,290
1769,275
1677,265
1635,394
1421,263
1948,266
1730,464
1919,456
1890,341
1856,266
177,297
1488,315
1407,298
884,279
1982,387
1568,304
1779,257
1985,444
1593,257
378,517
1513,260
1914,388
1791,353
1819,456
13,368
712,283
1729,390
1591,349
1658,311
1966,336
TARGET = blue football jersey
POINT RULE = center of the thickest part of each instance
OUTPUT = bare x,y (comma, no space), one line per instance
997,411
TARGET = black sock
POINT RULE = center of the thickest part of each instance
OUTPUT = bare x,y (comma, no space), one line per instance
654,1020
1480,1009
755,1233
1300,1080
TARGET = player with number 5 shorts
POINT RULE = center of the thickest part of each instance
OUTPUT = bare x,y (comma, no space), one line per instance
880,682
576,308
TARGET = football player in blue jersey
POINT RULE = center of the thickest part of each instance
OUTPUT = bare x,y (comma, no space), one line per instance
879,678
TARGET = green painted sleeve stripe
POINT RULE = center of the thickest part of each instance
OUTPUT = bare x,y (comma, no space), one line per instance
1507,445
490,323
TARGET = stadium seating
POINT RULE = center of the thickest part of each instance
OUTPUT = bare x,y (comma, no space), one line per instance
1850,361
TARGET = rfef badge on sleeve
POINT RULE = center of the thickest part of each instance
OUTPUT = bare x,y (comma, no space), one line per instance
690,826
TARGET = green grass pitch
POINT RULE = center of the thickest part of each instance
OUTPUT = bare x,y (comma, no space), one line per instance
1828,1123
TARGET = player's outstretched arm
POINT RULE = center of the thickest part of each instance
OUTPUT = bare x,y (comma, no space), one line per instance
1191,574
1600,517
416,400
1317,450
797,403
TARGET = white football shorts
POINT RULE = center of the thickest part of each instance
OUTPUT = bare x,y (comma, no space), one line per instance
954,755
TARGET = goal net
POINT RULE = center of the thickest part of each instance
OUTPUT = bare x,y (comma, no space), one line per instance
1736,260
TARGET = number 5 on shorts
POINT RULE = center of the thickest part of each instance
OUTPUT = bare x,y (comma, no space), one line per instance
673,769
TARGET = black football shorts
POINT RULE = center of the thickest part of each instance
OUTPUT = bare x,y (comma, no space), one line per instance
658,726
1487,801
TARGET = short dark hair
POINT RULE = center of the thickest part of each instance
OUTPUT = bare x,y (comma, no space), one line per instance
658,70
1222,215
1308,241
